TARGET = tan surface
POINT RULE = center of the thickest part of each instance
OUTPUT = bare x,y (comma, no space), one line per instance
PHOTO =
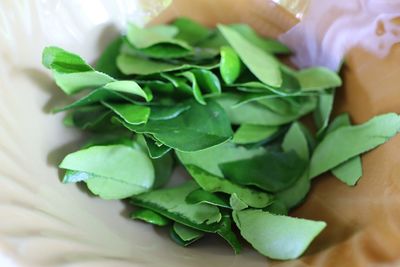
45,223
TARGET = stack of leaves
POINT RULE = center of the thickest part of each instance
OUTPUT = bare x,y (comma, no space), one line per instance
221,104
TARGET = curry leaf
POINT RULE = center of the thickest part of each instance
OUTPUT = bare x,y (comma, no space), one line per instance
71,73
350,141
276,236
202,196
230,65
150,216
318,78
120,171
207,124
263,65
212,183
272,171
252,133
130,113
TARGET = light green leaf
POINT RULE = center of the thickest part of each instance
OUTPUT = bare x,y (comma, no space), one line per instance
263,65
212,183
190,31
130,113
129,87
268,45
349,172
350,141
252,133
236,203
296,140
121,171
209,159
134,64
187,233
202,196
71,73
170,202
276,236
323,111
168,112
230,65
256,113
198,95
296,193
318,78
150,216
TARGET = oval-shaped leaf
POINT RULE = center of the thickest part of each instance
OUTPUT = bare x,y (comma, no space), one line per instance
150,216
230,65
121,171
276,236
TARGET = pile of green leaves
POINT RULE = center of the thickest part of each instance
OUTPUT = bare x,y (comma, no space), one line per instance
221,104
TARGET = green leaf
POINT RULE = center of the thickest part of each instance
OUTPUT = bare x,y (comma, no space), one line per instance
164,51
198,95
209,159
276,236
107,63
187,233
121,171
168,112
230,65
87,117
350,141
129,87
146,37
190,31
130,113
150,216
212,183
202,196
170,202
155,150
134,64
296,193
277,207
71,73
236,203
349,172
318,78
263,65
225,231
207,124
208,81
252,133
272,171
268,45
95,97
323,111
256,113
296,140
163,167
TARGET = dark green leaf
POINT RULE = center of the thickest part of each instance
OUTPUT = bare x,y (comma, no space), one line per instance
296,140
208,81
187,233
273,171
207,124
168,112
155,150
202,196
150,216
198,95
163,167
107,63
